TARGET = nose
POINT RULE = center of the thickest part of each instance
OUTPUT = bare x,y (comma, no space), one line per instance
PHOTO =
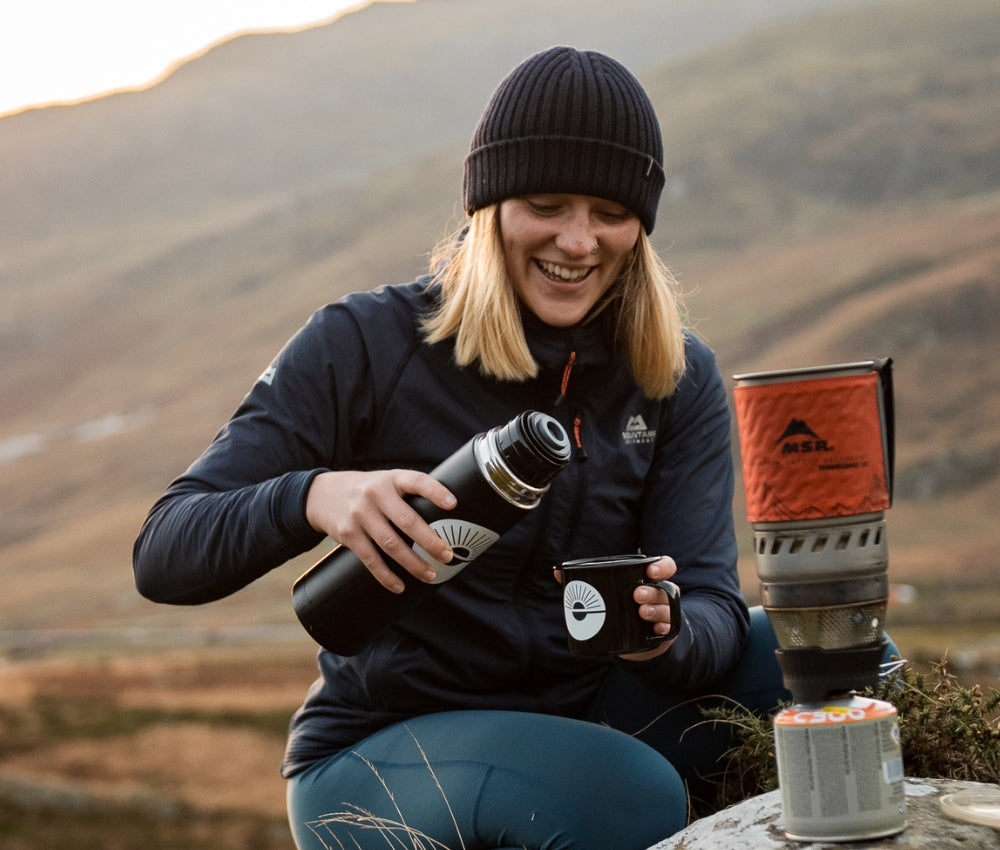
576,238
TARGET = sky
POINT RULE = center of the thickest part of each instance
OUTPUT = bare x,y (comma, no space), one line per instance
67,50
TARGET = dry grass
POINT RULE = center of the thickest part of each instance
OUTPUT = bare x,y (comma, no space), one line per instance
187,741
949,730
199,765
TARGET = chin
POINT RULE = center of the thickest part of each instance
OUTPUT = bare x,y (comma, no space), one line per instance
560,318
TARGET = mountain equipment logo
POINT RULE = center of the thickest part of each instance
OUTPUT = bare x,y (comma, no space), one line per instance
637,432
811,441
267,376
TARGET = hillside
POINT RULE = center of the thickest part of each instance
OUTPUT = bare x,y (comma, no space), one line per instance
833,193
281,115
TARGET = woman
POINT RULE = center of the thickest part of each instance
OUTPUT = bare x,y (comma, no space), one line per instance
468,721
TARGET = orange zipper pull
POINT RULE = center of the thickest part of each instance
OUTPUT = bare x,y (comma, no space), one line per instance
565,378
581,452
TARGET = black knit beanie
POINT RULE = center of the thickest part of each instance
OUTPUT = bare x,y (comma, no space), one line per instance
571,121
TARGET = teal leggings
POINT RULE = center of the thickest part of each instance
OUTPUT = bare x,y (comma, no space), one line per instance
500,780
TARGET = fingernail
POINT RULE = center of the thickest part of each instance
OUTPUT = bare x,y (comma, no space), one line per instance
430,575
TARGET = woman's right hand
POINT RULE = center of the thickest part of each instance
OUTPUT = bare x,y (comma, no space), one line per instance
366,512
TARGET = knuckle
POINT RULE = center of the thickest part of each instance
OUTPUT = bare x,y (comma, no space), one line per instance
350,537
407,520
389,543
372,562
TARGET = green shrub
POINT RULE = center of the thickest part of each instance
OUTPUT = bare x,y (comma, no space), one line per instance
948,731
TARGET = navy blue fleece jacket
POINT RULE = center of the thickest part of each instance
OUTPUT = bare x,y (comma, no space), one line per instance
357,388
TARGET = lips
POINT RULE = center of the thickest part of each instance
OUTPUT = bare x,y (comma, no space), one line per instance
562,274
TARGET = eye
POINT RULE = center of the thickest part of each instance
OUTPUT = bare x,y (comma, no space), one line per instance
541,206
616,215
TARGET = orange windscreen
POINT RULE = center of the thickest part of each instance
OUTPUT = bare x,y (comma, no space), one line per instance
812,448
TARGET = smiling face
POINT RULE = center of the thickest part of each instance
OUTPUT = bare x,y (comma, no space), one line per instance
548,245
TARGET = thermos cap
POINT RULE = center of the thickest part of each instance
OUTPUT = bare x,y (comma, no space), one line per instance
534,447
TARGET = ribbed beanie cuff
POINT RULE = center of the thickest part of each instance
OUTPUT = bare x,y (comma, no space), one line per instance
568,121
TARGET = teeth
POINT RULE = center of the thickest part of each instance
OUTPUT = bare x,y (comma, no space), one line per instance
561,272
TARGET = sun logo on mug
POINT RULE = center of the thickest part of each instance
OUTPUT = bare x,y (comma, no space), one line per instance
584,608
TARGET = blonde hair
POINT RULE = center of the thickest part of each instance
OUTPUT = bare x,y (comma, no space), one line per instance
479,308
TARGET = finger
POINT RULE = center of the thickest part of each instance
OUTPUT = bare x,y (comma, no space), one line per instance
661,627
655,613
664,568
409,489
421,484
374,539
401,551
650,594
374,563
417,533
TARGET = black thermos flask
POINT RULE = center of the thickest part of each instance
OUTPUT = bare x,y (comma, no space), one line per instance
497,477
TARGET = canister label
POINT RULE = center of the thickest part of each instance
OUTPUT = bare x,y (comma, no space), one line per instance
840,770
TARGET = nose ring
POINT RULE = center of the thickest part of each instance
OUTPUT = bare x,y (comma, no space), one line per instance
597,247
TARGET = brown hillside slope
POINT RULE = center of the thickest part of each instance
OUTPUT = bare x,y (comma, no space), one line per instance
128,345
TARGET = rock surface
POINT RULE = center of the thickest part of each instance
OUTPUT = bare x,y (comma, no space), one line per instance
757,824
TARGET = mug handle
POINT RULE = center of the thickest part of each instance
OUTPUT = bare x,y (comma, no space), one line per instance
674,600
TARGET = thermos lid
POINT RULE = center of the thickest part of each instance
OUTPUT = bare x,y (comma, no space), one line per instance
980,806
534,447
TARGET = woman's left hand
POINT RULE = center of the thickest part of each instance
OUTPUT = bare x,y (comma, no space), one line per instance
654,607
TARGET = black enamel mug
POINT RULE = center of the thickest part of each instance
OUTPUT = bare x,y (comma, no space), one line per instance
602,618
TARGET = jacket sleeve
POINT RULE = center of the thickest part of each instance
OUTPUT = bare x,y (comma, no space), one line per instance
688,515
239,510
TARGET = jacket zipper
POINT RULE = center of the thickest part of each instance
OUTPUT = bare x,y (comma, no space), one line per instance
567,369
581,452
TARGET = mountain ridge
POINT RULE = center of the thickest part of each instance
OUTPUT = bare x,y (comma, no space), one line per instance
137,312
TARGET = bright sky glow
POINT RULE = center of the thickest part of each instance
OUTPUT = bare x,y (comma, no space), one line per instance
65,50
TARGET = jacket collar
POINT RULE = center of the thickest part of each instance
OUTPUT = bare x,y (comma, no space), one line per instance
551,346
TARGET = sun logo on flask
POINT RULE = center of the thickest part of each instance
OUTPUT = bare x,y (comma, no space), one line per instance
584,608
467,540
